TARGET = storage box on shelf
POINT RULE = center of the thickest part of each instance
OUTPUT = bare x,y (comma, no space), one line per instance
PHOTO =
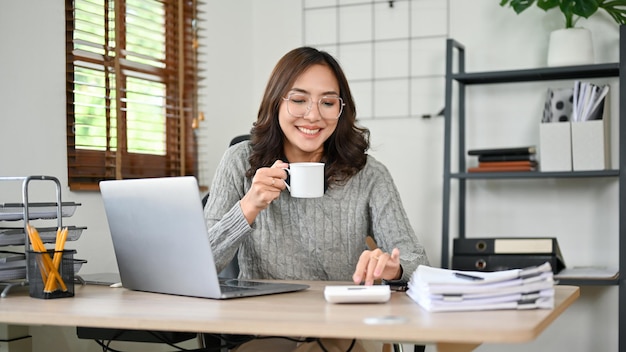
14,218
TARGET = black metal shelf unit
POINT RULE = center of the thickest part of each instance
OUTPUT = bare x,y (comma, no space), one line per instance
455,52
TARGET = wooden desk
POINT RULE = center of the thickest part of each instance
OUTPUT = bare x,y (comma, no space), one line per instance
303,313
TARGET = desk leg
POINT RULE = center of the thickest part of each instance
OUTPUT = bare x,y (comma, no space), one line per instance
456,347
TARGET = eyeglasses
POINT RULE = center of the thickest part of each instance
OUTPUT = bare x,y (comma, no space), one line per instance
299,105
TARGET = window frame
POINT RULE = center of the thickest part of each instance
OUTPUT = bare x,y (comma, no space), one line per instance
178,74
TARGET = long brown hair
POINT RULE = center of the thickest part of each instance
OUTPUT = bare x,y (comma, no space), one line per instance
344,151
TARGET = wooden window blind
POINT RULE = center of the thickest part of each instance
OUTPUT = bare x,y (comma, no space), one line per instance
132,82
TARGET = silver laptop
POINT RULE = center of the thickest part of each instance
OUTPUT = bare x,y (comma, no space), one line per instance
160,240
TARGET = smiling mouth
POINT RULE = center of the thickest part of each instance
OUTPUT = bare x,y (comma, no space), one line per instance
308,131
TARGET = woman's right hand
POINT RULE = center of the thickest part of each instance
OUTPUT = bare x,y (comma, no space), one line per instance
267,184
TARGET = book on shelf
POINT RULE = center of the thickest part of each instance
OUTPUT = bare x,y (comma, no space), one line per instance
440,290
501,168
525,150
507,157
521,163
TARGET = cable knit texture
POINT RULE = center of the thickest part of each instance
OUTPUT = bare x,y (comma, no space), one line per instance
308,238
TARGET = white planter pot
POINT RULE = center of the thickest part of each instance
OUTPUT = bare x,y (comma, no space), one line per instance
570,46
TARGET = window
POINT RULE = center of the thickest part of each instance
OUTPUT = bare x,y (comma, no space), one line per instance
132,84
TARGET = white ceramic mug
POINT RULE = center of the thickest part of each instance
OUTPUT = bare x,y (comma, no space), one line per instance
306,180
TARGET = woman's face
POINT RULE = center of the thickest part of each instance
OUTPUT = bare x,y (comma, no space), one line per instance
305,136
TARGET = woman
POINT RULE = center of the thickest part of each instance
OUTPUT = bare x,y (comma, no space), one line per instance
307,114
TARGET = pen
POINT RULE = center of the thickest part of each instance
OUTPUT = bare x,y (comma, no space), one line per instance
468,277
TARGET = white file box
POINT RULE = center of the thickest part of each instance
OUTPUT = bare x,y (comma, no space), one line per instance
590,147
555,146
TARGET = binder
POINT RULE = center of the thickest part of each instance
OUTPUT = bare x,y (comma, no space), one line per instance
499,262
506,245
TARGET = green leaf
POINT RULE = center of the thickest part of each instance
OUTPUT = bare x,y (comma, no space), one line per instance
518,5
547,4
583,8
616,9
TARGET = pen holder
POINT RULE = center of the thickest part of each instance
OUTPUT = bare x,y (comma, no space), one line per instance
51,274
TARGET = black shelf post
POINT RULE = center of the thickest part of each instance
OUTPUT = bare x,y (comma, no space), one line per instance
451,45
622,190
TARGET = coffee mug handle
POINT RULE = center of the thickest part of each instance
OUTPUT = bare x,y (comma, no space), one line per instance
285,181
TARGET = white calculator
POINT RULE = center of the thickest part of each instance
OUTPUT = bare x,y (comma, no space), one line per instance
357,294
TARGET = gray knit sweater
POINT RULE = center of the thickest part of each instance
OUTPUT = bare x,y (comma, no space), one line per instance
308,238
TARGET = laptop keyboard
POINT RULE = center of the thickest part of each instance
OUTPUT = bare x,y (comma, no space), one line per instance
227,288
242,283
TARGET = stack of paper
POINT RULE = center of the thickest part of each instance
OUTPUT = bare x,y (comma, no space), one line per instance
441,290
586,101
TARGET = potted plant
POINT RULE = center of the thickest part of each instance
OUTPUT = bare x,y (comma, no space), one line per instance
574,9
572,45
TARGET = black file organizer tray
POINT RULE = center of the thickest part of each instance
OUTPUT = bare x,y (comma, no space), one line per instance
25,212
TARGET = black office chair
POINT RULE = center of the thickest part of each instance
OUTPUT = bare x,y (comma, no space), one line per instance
240,138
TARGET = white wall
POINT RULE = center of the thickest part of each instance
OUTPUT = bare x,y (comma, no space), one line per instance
243,40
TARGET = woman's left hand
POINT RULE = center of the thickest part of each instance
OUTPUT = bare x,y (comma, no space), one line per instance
376,264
